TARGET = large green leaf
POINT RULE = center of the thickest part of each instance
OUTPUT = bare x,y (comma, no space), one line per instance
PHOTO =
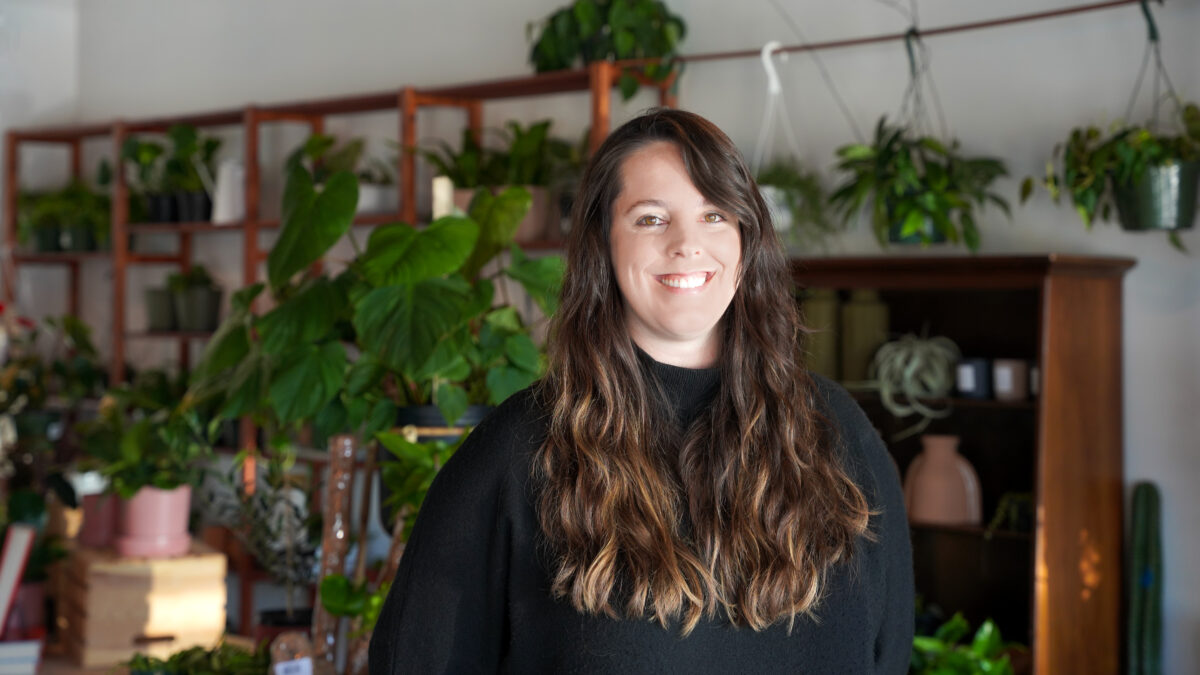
228,346
307,316
363,375
248,386
451,401
522,353
505,381
401,325
399,254
308,379
498,218
540,277
313,225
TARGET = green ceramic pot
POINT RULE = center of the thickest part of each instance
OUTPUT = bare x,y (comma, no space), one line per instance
198,309
160,310
1162,198
45,238
76,238
932,235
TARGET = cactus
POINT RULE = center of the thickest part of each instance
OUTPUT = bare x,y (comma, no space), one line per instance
1145,584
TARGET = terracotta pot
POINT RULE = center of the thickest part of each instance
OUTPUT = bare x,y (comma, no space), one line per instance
100,514
941,487
154,523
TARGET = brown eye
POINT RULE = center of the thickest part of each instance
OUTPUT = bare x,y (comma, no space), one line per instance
714,217
649,221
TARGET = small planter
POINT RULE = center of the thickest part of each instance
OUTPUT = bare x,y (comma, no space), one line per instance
45,238
197,309
76,238
536,222
1163,198
154,523
375,198
160,207
932,235
160,310
193,207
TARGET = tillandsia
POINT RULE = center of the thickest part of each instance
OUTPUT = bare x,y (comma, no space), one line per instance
909,372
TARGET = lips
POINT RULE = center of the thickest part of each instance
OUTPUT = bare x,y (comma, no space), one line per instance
685,280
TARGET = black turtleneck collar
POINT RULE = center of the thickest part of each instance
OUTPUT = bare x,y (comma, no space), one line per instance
687,390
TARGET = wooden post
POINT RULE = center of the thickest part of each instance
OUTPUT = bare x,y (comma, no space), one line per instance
408,161
250,261
666,97
10,215
120,257
601,75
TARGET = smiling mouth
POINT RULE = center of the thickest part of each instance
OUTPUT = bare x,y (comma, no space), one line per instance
685,281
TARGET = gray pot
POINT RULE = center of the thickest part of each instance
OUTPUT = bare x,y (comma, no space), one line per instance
198,309
160,310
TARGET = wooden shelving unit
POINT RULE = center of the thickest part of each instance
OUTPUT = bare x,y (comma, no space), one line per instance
1057,588
599,79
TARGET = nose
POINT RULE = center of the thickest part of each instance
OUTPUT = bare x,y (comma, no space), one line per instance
683,242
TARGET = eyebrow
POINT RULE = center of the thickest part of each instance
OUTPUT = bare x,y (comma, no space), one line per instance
661,204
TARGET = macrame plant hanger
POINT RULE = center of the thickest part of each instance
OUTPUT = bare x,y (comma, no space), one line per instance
774,105
913,111
1153,48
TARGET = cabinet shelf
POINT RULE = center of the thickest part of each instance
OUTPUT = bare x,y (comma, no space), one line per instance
952,402
59,257
971,531
169,335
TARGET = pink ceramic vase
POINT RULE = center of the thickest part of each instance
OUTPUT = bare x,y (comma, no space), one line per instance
100,514
154,523
941,487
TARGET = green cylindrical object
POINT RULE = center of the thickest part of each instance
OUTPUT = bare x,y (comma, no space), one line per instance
821,317
1144,641
160,310
864,329
1162,198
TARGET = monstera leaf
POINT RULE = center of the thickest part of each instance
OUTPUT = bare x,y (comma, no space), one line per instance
399,254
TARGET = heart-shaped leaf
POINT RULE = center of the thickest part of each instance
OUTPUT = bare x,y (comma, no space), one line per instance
309,377
307,316
399,254
451,401
313,224
401,325
498,218
540,277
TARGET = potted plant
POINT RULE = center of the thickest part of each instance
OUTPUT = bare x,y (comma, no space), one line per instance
73,218
152,458
142,160
529,158
941,653
224,659
322,157
196,299
1150,178
916,189
798,204
607,30
189,171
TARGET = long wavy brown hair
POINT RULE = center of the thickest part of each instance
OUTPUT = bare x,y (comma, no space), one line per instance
744,511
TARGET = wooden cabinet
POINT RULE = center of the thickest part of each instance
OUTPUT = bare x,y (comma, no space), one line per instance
1058,586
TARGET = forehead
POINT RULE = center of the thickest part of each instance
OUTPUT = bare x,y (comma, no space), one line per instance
656,171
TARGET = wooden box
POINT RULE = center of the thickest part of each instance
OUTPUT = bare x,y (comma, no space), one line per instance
113,607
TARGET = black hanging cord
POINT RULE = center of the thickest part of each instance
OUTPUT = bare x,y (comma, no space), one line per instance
1153,48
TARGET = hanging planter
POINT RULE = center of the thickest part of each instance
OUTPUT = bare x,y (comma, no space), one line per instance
1162,198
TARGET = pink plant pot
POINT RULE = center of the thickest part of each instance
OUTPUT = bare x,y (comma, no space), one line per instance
154,523
100,514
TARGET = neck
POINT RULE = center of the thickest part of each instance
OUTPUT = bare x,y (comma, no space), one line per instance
700,354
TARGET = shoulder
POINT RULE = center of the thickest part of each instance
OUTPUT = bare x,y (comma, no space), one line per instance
859,444
501,446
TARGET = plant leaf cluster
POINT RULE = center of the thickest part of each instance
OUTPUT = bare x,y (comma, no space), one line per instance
1088,166
521,156
606,30
152,167
322,157
941,653
918,185
74,204
224,659
804,197
342,597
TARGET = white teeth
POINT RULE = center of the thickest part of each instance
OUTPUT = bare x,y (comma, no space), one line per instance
692,281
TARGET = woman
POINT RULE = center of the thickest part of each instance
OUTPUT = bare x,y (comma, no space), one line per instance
678,494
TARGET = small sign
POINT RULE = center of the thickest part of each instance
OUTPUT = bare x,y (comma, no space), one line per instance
302,666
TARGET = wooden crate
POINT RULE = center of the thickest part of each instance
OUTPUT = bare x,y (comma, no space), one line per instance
113,607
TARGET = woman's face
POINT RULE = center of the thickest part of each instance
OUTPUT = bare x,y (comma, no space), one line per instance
676,258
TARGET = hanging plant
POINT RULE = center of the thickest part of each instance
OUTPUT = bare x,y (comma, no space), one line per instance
598,30
799,205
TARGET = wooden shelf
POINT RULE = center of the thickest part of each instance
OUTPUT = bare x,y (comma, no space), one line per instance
988,403
972,531
169,335
54,257
183,227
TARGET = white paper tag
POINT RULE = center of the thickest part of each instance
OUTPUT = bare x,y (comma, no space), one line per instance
298,667
966,377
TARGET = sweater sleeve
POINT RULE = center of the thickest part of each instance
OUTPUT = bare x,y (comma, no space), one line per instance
894,638
445,612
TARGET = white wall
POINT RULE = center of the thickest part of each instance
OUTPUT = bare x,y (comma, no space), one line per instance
1011,92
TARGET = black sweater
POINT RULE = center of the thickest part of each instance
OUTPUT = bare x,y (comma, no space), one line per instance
472,593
